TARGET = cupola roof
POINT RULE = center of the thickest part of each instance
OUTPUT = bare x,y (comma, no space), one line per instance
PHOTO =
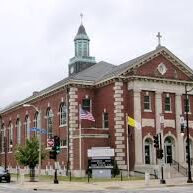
81,34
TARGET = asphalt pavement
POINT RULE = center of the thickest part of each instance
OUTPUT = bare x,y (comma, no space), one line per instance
97,186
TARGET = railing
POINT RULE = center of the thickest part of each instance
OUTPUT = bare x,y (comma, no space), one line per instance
143,173
181,169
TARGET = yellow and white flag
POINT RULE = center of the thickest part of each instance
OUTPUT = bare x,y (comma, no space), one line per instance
133,123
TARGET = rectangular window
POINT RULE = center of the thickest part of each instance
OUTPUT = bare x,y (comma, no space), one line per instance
86,104
147,102
63,115
63,142
18,128
105,120
167,103
49,127
2,140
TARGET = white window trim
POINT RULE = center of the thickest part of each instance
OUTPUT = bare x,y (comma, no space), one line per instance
170,111
150,109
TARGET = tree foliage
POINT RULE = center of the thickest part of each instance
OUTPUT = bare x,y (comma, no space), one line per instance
28,154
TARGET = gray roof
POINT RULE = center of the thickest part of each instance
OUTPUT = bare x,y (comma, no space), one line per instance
94,72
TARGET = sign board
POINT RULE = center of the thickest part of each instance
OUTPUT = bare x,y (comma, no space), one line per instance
100,163
101,152
50,142
162,163
39,130
57,165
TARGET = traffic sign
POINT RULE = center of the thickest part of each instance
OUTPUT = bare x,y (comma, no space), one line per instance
50,142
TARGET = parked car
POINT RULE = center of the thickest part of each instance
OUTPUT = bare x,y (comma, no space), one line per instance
4,175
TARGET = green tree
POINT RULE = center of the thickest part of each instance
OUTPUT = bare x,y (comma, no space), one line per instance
28,155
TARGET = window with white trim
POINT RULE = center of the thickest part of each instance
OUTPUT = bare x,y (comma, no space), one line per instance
36,122
63,142
18,128
86,103
49,115
63,114
10,137
105,120
147,102
2,138
27,127
167,103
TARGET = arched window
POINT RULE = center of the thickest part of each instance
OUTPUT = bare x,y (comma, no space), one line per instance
36,123
18,128
63,114
2,137
148,151
10,137
49,115
27,127
169,149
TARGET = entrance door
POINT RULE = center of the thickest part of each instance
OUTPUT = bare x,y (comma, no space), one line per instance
147,154
168,153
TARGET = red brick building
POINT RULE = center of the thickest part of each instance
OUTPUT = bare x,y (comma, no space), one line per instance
145,88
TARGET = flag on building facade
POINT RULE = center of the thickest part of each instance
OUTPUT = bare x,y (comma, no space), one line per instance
133,123
86,115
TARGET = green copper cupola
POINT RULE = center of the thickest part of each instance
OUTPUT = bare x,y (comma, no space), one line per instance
81,42
82,58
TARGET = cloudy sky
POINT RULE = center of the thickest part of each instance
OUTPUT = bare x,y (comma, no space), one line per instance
36,37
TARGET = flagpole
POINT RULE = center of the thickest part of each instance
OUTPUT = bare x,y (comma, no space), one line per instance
127,134
80,142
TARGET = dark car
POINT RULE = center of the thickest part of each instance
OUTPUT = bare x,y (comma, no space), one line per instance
4,175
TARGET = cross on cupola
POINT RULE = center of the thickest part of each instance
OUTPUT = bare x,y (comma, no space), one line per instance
81,17
159,39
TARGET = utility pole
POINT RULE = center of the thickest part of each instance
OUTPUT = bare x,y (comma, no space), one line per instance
187,133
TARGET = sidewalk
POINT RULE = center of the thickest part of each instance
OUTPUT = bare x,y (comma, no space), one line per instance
133,184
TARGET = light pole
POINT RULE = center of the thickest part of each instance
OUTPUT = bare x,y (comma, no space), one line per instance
39,126
5,150
187,133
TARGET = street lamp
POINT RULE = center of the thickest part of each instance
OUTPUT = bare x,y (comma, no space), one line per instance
187,133
39,126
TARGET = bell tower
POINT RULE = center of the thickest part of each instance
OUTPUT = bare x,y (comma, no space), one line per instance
82,59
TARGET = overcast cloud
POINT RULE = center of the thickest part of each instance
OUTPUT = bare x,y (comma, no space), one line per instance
36,37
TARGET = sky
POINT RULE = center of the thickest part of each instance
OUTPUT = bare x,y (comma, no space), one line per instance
36,37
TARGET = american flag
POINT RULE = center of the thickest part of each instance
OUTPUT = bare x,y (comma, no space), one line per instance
86,115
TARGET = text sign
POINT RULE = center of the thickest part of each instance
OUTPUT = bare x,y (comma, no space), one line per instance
101,152
100,163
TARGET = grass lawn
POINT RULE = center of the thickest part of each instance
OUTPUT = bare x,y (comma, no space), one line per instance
82,179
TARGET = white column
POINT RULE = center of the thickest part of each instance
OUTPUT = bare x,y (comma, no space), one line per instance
180,144
138,132
158,110
73,123
119,118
